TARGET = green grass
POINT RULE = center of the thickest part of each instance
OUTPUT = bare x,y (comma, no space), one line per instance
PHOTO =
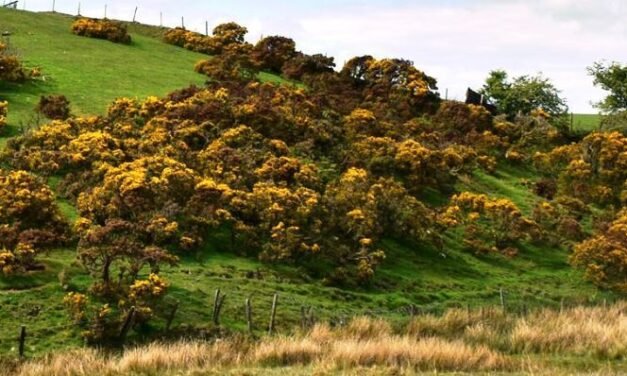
93,72
586,122
90,72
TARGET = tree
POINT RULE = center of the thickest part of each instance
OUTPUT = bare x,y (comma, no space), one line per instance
272,52
356,68
233,64
524,95
229,33
121,245
392,86
611,77
303,64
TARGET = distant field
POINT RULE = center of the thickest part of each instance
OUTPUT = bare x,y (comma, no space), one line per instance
586,122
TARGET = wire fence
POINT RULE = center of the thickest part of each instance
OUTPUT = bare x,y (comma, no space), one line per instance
126,13
287,312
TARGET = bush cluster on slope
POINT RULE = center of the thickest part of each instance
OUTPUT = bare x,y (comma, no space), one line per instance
102,29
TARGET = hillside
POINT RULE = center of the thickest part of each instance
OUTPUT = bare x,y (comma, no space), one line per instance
91,73
416,276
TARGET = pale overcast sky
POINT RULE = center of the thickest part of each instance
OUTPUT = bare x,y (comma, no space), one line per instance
456,41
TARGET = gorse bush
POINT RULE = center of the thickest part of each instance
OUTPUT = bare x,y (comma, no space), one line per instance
243,156
101,29
4,111
224,36
55,107
29,221
11,68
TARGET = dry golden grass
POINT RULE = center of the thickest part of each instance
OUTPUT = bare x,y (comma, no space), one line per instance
286,351
394,353
362,328
598,331
467,342
455,321
408,353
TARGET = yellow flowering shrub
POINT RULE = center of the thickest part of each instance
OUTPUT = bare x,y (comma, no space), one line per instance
76,304
490,224
604,255
11,68
4,109
102,29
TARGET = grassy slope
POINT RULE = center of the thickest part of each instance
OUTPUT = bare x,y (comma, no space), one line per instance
92,73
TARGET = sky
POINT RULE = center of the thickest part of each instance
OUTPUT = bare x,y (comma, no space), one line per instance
456,41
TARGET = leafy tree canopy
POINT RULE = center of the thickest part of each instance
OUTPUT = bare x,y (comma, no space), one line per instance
524,95
611,77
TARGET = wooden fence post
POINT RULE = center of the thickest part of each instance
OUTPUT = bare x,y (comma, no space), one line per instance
216,302
127,324
249,316
311,319
183,22
502,294
273,314
135,14
171,317
219,307
207,28
413,310
22,340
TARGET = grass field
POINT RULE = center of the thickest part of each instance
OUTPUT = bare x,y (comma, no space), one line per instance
93,72
586,122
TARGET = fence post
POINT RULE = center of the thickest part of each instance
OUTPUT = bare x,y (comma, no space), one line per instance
311,319
22,340
127,324
183,22
216,300
171,317
273,314
219,308
249,316
105,14
502,294
207,28
135,14
54,3
79,9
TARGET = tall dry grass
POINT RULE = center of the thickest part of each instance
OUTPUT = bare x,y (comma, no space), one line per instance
598,331
458,341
